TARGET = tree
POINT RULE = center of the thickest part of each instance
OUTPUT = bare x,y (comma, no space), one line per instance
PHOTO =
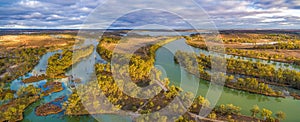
231,109
162,119
212,115
10,114
202,101
265,113
222,109
254,110
9,96
280,115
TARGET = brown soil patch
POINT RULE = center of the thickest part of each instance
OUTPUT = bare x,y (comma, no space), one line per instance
227,45
133,43
286,53
14,41
47,109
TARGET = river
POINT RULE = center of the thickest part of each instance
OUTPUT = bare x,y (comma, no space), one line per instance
245,100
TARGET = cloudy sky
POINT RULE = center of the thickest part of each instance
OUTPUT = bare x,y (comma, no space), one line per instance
224,14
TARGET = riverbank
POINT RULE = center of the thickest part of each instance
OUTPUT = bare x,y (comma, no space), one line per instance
237,88
52,87
33,79
269,75
59,64
285,56
253,91
296,96
203,63
50,108
6,94
13,111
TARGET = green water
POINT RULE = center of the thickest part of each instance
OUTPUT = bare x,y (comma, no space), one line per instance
245,100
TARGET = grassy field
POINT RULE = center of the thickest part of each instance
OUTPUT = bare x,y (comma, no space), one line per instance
33,41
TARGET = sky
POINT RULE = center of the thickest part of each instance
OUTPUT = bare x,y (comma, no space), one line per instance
223,14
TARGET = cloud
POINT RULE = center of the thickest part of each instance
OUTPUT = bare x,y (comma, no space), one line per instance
225,14
85,9
273,20
253,14
30,3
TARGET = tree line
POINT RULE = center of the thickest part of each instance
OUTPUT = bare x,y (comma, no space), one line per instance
187,60
18,62
58,64
291,45
284,42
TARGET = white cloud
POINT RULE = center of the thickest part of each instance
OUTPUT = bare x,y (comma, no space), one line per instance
273,20
78,18
33,15
30,3
85,9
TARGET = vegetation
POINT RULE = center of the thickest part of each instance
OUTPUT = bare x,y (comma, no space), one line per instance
228,109
124,102
233,66
282,45
50,108
52,87
247,37
139,65
47,109
36,40
199,38
266,114
233,46
35,78
262,55
7,95
17,62
115,95
58,64
255,110
13,110
264,72
280,115
230,112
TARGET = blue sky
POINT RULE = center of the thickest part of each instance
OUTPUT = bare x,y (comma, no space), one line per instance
225,14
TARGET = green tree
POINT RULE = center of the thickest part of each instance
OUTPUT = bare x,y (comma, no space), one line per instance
255,110
212,115
280,115
9,96
162,119
265,113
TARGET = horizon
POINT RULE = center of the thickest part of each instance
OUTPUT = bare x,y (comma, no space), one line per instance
246,29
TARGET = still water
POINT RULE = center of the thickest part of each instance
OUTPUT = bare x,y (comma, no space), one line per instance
245,100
